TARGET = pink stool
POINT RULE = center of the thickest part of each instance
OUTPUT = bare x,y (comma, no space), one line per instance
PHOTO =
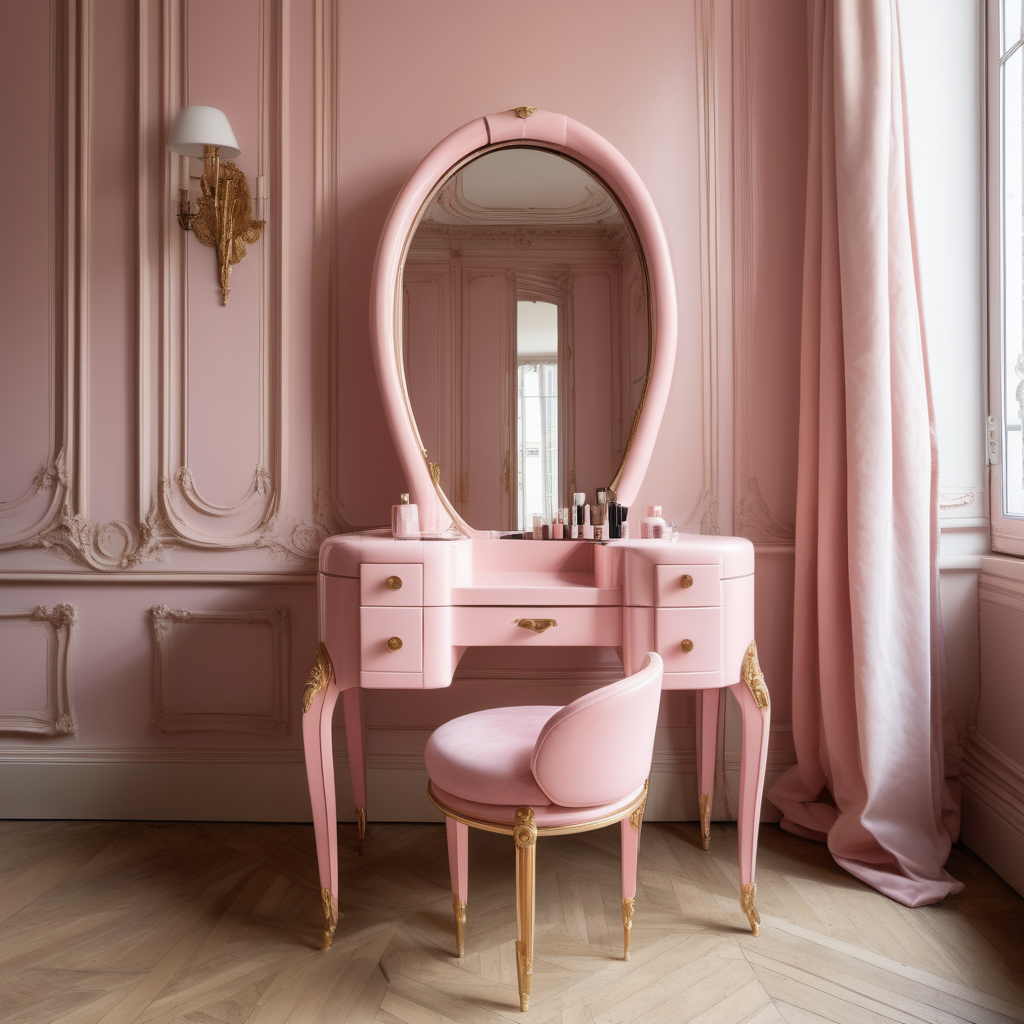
546,771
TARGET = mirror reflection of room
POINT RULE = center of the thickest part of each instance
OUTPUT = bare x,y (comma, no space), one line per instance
525,335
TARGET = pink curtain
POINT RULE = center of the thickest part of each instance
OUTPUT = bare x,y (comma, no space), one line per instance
871,721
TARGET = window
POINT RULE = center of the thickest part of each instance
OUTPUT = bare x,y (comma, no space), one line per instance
1006,185
537,410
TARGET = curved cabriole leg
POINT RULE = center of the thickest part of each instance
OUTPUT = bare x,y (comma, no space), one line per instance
458,864
630,828
318,700
752,695
525,836
708,741
355,739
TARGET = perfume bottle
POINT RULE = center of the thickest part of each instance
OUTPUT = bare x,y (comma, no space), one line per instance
405,519
652,526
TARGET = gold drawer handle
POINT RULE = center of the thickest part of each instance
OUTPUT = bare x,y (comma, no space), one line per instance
537,625
686,581
394,583
687,646
394,644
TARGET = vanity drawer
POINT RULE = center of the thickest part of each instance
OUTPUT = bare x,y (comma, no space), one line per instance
575,627
391,639
687,586
701,628
391,585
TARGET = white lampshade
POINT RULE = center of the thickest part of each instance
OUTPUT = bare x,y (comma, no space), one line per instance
196,127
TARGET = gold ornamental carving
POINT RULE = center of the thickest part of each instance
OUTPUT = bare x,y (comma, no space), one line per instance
222,216
525,831
330,918
360,829
523,112
705,821
524,967
747,894
536,625
638,815
628,906
754,677
322,674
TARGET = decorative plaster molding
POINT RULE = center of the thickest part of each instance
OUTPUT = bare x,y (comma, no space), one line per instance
597,207
704,515
57,718
328,507
994,777
179,514
59,483
167,719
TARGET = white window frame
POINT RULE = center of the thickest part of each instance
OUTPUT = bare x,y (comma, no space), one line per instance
1007,531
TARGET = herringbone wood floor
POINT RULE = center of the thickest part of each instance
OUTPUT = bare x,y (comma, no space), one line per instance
112,922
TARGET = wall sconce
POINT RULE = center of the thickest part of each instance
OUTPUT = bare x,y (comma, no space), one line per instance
221,217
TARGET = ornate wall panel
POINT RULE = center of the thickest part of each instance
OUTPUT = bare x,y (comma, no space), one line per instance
45,636
217,681
212,417
44,61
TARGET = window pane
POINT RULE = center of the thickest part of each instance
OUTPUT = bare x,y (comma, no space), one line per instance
1013,285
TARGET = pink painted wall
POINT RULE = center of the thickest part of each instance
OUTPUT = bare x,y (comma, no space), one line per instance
114,347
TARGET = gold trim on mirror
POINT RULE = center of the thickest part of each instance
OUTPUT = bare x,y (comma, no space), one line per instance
523,112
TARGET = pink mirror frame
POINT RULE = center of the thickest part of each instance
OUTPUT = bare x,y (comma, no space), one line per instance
561,134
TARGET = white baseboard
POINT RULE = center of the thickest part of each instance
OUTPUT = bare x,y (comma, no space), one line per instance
993,839
234,791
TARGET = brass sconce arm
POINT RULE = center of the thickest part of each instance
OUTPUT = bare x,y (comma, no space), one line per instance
221,218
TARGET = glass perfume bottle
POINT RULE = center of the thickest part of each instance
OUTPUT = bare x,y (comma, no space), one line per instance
405,519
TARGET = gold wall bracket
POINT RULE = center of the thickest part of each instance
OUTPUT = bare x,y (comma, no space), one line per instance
221,218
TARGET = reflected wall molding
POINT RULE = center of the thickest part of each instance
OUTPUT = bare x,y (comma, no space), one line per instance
57,718
179,513
167,719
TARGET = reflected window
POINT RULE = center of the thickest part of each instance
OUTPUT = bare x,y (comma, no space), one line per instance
537,410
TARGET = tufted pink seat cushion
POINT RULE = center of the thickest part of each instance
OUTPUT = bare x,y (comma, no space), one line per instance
485,757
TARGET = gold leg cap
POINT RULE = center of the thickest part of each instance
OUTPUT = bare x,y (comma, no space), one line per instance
460,925
360,829
747,894
330,918
628,906
705,821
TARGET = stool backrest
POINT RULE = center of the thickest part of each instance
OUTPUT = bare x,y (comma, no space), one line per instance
597,749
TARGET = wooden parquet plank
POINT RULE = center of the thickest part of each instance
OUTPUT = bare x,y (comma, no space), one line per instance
177,923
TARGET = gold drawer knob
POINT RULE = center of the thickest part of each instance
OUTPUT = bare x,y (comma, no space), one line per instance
536,625
395,644
686,581
394,583
687,646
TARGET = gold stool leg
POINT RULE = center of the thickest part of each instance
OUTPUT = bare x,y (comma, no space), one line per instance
525,836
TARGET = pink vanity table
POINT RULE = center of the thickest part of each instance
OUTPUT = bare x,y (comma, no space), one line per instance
399,614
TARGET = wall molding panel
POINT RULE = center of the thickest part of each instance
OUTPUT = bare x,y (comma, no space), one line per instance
167,717
177,512
44,516
57,717
704,515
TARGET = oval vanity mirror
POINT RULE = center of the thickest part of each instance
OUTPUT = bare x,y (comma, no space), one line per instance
524,320
525,335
